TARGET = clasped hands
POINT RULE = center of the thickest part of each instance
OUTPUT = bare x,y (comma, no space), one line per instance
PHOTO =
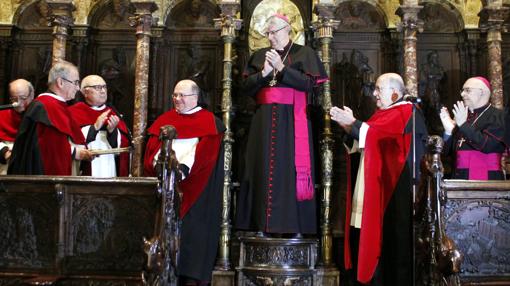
272,61
111,122
460,114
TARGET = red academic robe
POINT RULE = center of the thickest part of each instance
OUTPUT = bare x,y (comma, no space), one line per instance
83,115
9,123
386,149
202,125
42,145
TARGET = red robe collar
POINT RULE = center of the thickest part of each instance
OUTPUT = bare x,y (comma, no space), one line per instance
60,117
386,150
84,114
9,124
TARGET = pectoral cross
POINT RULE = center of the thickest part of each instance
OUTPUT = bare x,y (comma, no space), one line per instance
461,141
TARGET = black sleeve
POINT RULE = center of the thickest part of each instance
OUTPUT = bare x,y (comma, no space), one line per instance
91,135
356,126
2,155
296,79
488,139
112,137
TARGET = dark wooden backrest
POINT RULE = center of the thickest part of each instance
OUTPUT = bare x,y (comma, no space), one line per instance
76,226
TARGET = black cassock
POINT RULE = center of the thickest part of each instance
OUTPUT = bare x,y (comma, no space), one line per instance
481,138
267,199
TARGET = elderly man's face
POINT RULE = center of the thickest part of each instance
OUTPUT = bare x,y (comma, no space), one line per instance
70,85
183,97
95,91
20,93
278,36
383,93
474,94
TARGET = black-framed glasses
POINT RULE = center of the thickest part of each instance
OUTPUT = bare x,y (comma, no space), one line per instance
176,95
270,33
97,87
76,82
469,89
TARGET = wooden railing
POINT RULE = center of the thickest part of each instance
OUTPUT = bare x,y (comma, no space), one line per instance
462,228
90,231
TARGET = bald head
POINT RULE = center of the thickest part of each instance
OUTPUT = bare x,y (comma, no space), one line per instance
94,90
389,88
22,92
185,96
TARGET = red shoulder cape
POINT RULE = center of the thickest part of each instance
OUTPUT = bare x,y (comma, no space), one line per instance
386,150
9,123
201,124
84,115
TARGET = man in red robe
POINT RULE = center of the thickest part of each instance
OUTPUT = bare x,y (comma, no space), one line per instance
48,138
102,128
21,93
199,151
381,208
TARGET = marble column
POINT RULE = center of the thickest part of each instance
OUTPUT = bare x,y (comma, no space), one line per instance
323,28
142,21
495,14
228,24
410,26
61,19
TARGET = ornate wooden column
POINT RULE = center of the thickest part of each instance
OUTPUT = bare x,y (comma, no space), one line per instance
324,26
495,14
410,25
228,23
142,22
5,43
80,41
61,19
156,69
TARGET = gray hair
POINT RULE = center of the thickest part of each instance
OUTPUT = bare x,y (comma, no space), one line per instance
61,69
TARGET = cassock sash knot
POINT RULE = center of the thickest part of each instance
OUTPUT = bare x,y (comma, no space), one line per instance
285,95
478,164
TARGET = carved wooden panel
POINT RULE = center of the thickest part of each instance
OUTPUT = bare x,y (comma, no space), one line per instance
76,227
478,220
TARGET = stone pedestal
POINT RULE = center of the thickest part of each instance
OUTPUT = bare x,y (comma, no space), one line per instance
277,261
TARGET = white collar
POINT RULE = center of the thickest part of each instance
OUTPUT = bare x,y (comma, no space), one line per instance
191,111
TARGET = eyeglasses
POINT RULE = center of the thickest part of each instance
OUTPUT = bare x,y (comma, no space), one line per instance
469,89
76,82
97,87
378,89
176,95
271,33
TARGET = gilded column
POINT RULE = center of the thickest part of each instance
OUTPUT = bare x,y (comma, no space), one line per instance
229,24
410,26
142,21
324,27
61,19
496,15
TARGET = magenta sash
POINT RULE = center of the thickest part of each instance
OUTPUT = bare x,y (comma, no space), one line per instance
478,164
285,95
